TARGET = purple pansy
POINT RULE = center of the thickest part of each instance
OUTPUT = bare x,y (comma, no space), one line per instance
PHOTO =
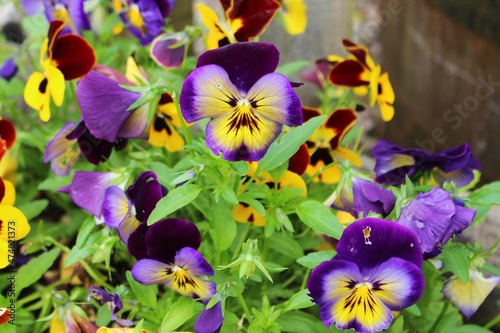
8,69
104,106
435,217
125,211
376,271
114,300
209,320
145,19
365,197
169,49
87,189
235,86
394,163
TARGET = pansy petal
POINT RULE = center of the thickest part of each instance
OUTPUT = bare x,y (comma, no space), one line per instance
37,96
13,221
59,143
218,34
469,296
348,73
168,50
192,261
115,206
341,121
8,69
7,132
209,320
7,192
127,227
371,241
244,62
4,253
163,134
62,164
241,136
397,283
56,84
73,56
191,286
273,97
135,125
166,237
145,193
96,93
249,19
149,271
294,16
207,92
137,242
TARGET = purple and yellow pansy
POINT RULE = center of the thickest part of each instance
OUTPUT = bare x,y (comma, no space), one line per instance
235,86
377,270
62,58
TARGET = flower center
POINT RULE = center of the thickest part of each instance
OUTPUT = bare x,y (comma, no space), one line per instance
244,116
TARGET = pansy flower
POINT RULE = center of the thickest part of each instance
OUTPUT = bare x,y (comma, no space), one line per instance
13,223
114,300
293,16
394,163
88,189
243,212
169,49
7,136
62,58
145,19
435,217
71,12
376,271
243,21
8,69
324,146
104,104
363,197
360,71
119,330
125,211
247,103
469,296
209,320
71,318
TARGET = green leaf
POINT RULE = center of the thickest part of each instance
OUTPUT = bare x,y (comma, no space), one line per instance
320,218
222,225
313,259
300,300
488,194
414,310
175,199
471,328
34,269
292,67
286,245
33,209
180,312
455,257
84,243
145,295
282,149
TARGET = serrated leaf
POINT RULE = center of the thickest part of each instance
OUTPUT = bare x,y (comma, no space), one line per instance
34,269
180,312
175,199
34,208
145,295
313,259
300,300
320,218
222,225
455,258
282,149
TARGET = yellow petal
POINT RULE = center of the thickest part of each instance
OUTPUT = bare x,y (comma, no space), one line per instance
37,95
56,84
294,16
14,224
57,325
373,82
350,155
4,253
133,73
10,193
216,30
386,97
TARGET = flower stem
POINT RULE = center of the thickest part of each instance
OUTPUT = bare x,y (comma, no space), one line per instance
440,317
304,280
492,322
243,304
242,239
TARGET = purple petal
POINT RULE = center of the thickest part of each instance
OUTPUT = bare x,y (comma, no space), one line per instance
209,320
191,260
135,125
99,294
145,193
87,189
8,69
168,50
462,219
115,206
104,105
370,241
152,20
456,158
137,242
244,62
59,143
166,237
149,271
127,227
165,6
370,197
32,7
429,216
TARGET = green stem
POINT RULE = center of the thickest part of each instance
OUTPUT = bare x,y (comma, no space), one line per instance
492,322
243,304
242,239
73,94
304,280
44,312
440,317
39,293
